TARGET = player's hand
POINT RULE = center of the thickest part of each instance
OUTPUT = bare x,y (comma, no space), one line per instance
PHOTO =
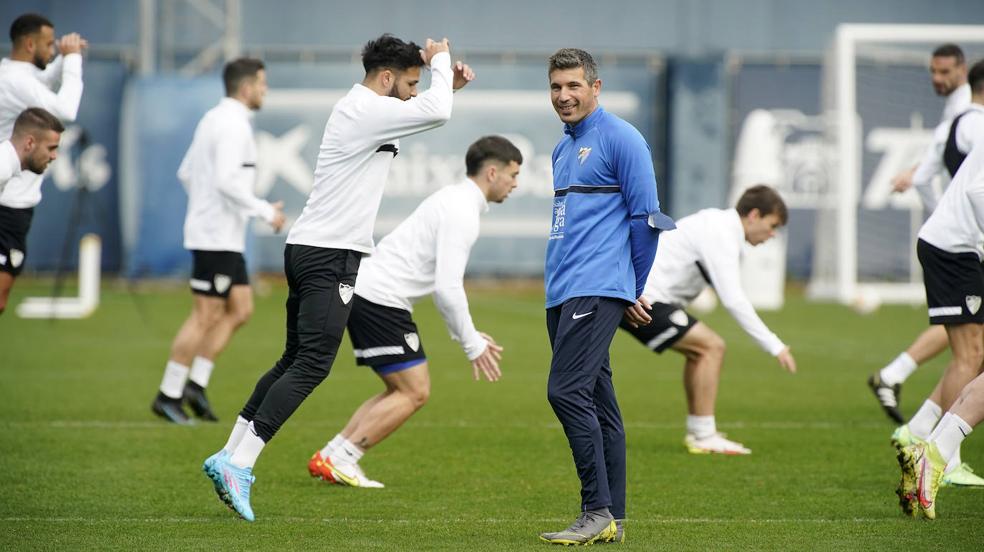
493,346
786,360
432,48
463,75
487,364
903,181
278,216
638,314
71,43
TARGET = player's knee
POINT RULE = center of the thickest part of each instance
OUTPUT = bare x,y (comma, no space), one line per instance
716,346
241,315
419,396
557,398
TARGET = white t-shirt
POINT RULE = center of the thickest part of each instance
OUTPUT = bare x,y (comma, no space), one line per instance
958,221
10,164
932,162
707,246
360,141
22,85
427,253
219,174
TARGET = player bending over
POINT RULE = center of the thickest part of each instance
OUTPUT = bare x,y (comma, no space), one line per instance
426,254
705,250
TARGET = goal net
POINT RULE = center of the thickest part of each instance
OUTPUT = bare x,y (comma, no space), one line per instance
880,110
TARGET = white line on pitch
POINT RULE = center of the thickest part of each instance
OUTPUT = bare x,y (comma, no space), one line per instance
149,424
490,521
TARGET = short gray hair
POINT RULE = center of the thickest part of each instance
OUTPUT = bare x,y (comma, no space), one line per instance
572,58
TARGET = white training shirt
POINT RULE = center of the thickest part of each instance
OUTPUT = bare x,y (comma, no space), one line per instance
713,238
427,253
219,174
10,163
23,85
360,141
931,164
958,221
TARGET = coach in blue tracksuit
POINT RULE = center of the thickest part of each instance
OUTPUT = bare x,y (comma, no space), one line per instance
606,224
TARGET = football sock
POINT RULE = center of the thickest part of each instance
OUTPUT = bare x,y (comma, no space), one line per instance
332,445
346,453
201,371
238,430
701,427
898,370
921,425
175,376
950,432
248,450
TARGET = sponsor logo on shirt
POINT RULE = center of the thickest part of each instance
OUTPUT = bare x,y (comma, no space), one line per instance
559,218
413,340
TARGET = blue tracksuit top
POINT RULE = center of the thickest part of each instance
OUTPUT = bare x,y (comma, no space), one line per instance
606,217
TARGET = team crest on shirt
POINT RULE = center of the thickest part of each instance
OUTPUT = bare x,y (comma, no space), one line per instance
679,317
345,291
973,303
413,340
582,154
222,282
16,257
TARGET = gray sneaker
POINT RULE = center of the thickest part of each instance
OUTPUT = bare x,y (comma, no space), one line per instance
618,537
589,527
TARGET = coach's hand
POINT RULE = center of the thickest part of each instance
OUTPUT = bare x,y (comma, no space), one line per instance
488,362
638,314
786,360
463,75
432,48
278,216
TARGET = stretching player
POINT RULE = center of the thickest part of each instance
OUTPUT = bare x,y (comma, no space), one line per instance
219,173
705,249
26,80
33,144
950,253
966,134
426,254
326,244
948,72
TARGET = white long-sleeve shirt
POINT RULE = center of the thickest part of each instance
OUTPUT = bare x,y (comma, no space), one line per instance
22,85
426,254
932,161
219,173
360,141
10,164
707,246
958,221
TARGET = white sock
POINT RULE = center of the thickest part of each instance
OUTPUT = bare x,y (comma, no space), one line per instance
346,453
332,445
921,425
248,449
236,436
950,432
175,376
201,370
898,370
701,427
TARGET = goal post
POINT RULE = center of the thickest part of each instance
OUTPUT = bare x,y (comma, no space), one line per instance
847,265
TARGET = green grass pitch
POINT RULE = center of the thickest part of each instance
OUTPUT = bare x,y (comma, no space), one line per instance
85,465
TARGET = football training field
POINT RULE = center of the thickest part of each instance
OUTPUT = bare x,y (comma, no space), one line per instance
85,465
